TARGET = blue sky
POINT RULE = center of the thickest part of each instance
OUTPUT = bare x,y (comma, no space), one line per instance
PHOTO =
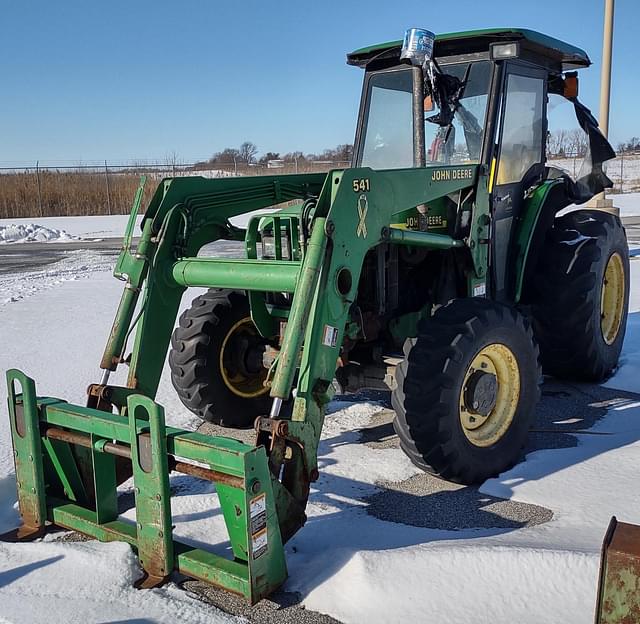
87,80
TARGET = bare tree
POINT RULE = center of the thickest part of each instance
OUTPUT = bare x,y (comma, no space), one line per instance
248,151
578,141
558,143
172,160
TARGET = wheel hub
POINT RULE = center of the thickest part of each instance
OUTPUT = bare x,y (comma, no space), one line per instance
489,395
612,302
481,393
241,360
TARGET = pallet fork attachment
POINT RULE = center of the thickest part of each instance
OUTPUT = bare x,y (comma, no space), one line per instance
50,488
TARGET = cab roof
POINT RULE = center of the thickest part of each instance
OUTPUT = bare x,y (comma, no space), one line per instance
472,41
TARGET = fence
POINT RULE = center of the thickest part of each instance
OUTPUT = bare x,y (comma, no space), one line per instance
108,188
624,170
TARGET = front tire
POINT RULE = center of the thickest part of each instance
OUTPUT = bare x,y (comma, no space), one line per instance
582,296
216,360
467,390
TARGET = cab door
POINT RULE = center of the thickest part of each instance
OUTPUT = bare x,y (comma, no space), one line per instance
519,164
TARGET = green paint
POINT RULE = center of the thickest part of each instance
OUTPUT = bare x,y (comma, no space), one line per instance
27,450
61,471
255,275
151,482
526,229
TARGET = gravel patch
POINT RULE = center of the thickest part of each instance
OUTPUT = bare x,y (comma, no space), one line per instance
279,608
248,436
429,502
71,536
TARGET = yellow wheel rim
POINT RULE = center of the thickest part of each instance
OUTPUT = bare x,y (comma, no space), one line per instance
241,382
612,302
485,429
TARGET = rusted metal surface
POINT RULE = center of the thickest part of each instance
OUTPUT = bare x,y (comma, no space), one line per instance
80,439
122,450
149,581
207,474
618,591
99,397
272,425
68,436
145,452
21,428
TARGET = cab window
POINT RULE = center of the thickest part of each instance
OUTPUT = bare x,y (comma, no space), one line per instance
387,137
522,128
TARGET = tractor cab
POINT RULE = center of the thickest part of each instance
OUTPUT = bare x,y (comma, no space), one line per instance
480,99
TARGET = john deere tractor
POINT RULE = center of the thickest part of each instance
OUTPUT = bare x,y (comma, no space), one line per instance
437,267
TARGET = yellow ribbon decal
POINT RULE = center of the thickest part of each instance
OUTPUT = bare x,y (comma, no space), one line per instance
363,207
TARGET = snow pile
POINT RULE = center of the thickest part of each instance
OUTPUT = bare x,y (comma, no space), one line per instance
96,227
460,582
30,233
91,227
88,582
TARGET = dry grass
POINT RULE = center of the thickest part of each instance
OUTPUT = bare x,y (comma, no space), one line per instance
52,193
49,193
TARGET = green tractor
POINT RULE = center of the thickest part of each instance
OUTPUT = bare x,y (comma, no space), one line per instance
436,267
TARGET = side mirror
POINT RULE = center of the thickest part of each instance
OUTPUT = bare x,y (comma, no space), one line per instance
570,89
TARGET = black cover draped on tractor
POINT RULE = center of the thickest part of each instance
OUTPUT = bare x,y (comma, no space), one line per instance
446,92
595,181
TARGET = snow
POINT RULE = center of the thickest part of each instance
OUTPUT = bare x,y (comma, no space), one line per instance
56,229
629,204
31,233
96,227
76,265
35,584
344,562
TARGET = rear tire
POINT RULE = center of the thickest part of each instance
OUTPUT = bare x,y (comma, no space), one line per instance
444,429
582,296
216,360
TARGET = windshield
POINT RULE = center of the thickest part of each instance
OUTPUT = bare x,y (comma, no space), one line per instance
387,137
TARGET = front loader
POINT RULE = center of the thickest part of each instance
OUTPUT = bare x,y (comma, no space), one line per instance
436,267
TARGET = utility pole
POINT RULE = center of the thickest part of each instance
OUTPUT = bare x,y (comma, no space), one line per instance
600,201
